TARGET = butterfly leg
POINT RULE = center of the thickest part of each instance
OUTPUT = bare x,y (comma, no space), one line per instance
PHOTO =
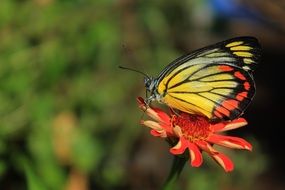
149,99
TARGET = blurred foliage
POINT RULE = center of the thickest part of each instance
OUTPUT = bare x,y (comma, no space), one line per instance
68,114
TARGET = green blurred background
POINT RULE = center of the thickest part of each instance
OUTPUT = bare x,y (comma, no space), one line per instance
69,118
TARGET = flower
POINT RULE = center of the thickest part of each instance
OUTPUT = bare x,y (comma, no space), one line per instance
195,133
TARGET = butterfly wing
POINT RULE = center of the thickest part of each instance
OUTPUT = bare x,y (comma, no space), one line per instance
214,81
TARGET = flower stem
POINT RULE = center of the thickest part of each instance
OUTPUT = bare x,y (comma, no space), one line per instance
176,168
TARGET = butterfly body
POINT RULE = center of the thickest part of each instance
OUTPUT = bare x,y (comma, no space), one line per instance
215,81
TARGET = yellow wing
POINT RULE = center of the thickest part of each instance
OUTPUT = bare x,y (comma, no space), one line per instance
214,81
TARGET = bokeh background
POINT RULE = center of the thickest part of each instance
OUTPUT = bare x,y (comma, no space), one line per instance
69,118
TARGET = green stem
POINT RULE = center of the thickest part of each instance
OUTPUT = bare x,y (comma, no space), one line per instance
176,168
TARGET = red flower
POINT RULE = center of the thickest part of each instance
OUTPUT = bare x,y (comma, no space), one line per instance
195,133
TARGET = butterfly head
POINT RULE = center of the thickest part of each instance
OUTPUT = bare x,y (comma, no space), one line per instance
151,87
149,83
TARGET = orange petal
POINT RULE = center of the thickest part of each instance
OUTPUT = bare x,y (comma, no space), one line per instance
237,123
224,161
226,126
220,158
204,146
161,134
155,113
217,127
177,131
154,133
230,142
195,155
180,147
152,124
162,116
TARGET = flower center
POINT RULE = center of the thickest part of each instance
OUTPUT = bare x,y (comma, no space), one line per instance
193,127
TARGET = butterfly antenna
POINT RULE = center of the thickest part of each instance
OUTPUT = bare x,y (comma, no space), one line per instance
137,71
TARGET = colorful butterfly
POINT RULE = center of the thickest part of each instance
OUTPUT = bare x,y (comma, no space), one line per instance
215,81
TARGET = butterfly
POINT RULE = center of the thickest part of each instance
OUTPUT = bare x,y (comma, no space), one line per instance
215,81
